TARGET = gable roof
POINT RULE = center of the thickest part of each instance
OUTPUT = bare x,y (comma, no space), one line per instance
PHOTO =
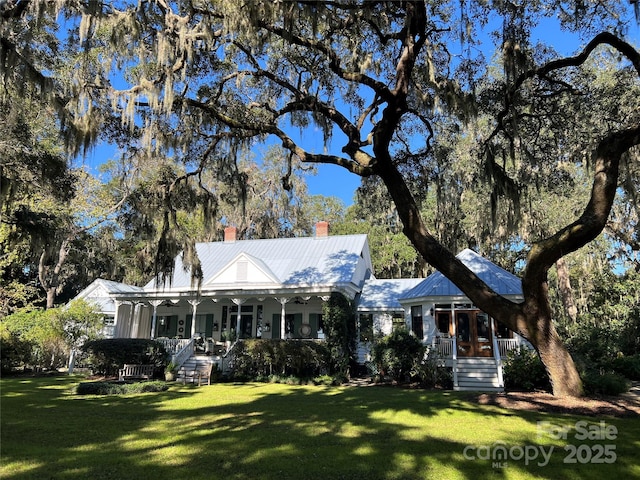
283,262
244,268
437,285
383,294
100,292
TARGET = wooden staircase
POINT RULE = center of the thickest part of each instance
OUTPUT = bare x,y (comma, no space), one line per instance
477,374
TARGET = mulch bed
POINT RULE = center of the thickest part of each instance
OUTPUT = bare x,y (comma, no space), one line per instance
627,405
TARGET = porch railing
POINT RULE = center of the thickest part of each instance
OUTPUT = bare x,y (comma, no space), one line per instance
174,345
227,360
505,345
179,348
444,346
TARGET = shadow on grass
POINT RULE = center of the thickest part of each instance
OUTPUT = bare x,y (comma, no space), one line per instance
258,431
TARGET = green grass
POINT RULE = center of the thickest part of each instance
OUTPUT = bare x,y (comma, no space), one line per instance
275,431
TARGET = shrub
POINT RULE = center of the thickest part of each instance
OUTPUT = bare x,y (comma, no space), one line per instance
397,354
50,334
431,372
106,356
524,371
15,352
256,358
627,366
113,388
43,333
340,333
596,383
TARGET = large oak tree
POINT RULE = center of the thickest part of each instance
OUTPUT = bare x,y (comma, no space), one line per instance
376,79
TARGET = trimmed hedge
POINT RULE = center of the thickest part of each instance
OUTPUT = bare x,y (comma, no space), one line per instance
256,358
105,357
113,388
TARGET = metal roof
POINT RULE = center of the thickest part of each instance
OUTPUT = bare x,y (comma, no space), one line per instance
437,285
382,295
100,292
108,286
292,261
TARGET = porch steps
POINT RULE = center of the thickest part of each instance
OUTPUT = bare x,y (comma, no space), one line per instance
477,375
193,363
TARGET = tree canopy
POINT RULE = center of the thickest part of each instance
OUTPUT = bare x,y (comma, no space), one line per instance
420,94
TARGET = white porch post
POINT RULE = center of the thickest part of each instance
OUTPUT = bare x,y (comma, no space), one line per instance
132,316
194,304
454,348
283,301
116,320
135,319
496,353
155,304
238,302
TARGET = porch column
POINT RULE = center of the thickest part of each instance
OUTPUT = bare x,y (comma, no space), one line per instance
155,304
238,302
194,303
283,301
496,352
135,321
116,319
454,347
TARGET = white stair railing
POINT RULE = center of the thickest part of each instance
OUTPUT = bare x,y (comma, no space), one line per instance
505,345
173,345
182,351
445,347
226,361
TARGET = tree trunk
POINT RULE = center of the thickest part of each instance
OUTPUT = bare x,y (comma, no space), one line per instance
563,374
51,296
566,292
50,277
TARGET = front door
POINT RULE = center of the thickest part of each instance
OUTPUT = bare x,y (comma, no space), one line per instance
473,330
246,325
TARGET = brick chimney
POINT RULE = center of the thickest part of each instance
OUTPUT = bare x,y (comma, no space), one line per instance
322,229
230,234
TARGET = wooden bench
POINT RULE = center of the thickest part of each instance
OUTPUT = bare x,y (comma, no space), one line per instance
136,372
201,373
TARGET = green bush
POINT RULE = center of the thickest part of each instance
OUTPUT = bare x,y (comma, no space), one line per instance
397,354
50,335
627,366
524,371
596,383
256,358
43,333
15,352
113,388
106,356
431,372
340,334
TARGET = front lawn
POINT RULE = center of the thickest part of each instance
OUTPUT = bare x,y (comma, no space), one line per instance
274,431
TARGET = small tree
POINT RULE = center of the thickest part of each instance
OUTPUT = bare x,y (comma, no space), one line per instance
80,323
53,335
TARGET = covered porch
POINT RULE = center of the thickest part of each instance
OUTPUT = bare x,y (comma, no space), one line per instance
219,318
